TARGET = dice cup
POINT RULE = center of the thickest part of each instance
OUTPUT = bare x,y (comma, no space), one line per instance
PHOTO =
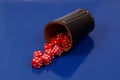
77,23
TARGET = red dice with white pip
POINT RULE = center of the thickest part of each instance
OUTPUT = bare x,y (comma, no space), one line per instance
54,48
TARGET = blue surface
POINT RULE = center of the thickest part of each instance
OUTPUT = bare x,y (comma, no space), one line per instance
97,57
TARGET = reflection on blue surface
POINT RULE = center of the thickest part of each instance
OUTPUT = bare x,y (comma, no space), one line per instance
67,64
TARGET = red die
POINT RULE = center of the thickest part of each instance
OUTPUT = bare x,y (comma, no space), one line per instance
55,41
60,36
37,54
47,46
46,59
66,42
49,52
57,50
36,62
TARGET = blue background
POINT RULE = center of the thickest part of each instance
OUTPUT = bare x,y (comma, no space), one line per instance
97,57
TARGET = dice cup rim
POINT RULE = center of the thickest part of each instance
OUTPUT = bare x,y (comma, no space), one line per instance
60,24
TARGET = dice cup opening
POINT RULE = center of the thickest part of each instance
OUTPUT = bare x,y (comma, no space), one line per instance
53,28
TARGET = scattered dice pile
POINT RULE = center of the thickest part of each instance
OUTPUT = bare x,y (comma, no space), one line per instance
55,47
